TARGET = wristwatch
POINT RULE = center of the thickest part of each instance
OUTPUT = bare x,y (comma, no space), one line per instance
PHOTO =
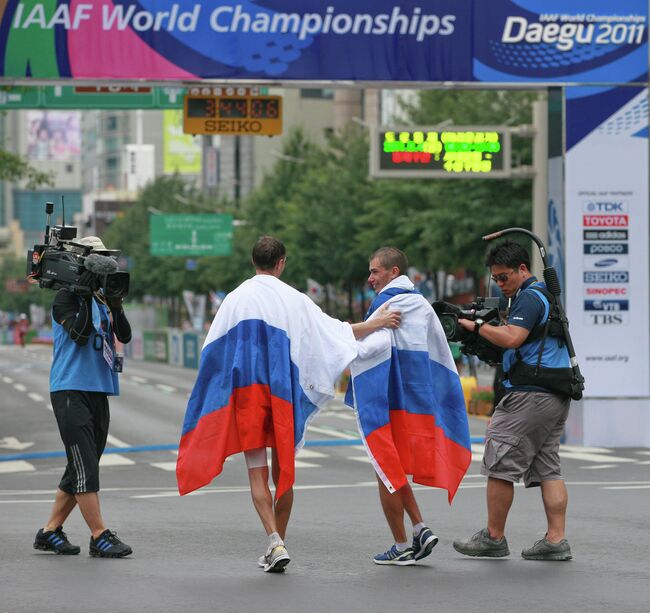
477,324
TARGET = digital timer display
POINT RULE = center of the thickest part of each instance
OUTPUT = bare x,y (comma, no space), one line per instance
421,152
233,114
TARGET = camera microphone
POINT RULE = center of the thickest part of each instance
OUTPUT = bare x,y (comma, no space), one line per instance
100,264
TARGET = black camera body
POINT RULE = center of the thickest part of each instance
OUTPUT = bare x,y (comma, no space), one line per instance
486,309
60,262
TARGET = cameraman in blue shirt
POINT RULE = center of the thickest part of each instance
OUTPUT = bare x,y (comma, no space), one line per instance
523,437
83,375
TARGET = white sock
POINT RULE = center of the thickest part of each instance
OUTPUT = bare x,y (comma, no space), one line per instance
418,527
274,540
401,546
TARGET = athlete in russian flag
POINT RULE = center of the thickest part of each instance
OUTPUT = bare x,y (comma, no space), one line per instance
409,404
269,362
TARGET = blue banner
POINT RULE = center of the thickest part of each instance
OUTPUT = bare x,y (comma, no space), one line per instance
573,41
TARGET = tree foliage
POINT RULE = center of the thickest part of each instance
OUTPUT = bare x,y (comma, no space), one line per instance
15,168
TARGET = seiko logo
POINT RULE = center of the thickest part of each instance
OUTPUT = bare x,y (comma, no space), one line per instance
605,248
610,276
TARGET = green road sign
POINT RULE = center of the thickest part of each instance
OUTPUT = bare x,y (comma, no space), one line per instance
92,97
191,234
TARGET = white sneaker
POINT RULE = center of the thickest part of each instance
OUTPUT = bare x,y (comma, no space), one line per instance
277,559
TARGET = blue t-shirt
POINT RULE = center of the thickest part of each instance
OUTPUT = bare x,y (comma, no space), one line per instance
529,309
84,368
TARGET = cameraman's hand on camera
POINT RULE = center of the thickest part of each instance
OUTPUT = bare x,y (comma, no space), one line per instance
86,285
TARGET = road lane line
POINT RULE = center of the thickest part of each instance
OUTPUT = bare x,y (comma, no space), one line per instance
593,457
7,380
165,388
20,387
115,459
116,442
16,466
137,379
598,467
168,466
628,487
36,397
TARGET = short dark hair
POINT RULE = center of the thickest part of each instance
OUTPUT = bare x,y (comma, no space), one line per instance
267,252
509,254
391,256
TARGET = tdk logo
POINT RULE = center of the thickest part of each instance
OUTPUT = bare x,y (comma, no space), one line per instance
604,206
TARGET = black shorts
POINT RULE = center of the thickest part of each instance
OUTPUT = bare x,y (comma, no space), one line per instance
83,419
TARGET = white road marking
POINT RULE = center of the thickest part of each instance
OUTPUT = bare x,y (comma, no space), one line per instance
36,397
168,466
138,379
598,466
310,453
165,388
20,387
333,432
49,407
644,452
579,449
115,442
593,457
7,380
628,487
301,464
115,459
360,458
49,501
16,466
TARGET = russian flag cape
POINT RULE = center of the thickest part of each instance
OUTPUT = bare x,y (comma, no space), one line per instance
408,399
269,362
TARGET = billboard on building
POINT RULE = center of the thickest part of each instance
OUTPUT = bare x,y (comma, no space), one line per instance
53,135
181,152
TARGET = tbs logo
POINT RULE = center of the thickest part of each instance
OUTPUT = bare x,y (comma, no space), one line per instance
603,207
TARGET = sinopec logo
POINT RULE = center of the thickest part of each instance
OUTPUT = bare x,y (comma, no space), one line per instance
595,292
604,207
605,221
605,248
609,276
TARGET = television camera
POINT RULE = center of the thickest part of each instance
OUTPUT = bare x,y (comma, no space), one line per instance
60,261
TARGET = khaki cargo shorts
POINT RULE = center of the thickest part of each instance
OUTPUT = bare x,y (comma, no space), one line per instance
523,439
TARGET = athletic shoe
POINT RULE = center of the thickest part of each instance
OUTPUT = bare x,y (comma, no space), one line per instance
545,550
482,545
395,557
56,541
107,545
276,560
423,543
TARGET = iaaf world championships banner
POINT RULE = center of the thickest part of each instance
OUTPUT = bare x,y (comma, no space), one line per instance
563,41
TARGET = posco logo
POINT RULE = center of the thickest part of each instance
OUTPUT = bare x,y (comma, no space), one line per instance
605,248
604,207
610,276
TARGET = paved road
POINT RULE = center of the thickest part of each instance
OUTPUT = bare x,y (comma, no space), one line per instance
199,551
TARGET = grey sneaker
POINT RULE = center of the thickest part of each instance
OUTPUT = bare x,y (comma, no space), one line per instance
481,545
277,559
545,550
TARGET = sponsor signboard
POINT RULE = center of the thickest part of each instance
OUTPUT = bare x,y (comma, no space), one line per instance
607,238
366,40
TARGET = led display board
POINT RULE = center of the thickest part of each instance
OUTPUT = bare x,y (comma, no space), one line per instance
430,152
232,111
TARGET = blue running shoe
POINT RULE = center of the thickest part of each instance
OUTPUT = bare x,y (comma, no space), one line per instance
56,541
108,545
395,557
424,543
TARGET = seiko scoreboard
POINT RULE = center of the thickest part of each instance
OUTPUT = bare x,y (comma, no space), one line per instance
233,111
